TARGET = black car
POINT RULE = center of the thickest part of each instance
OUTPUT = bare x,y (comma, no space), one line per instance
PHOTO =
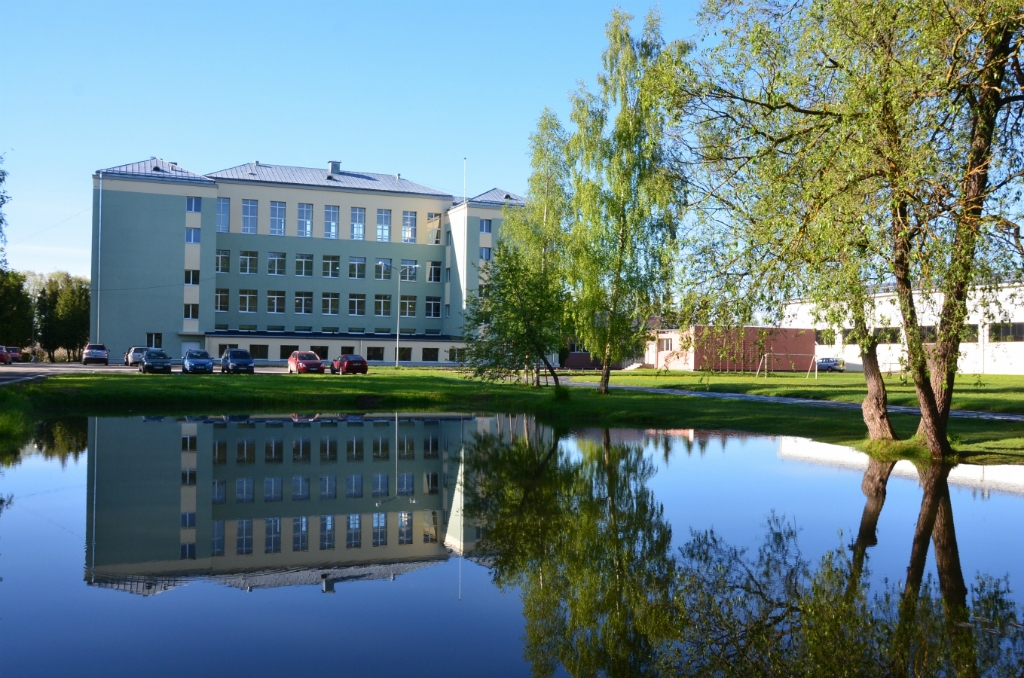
236,360
155,360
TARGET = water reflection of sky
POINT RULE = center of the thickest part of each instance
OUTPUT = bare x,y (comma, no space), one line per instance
51,622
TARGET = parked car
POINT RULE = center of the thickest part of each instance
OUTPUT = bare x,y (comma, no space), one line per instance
305,361
133,355
95,353
348,364
5,357
831,365
155,360
196,361
236,360
15,354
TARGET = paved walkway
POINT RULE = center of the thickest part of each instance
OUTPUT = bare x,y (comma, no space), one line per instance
782,400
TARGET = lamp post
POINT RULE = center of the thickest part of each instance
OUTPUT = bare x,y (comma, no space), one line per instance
398,325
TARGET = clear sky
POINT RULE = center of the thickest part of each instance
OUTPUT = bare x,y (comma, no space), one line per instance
409,87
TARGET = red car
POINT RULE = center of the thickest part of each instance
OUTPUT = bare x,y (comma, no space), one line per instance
15,353
348,364
5,357
305,361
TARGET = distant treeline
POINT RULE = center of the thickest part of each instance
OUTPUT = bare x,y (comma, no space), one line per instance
46,314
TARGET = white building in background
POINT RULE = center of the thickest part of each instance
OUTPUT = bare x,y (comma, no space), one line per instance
994,343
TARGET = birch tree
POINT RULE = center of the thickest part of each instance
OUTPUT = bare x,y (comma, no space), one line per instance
626,204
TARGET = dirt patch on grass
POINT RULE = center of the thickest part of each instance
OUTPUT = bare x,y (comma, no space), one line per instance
368,402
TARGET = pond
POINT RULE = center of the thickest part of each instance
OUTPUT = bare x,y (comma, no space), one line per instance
460,544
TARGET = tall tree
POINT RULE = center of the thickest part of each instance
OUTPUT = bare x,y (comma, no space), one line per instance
15,310
626,203
516,319
850,147
62,315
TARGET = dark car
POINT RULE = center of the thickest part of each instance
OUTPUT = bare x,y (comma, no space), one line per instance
305,361
15,353
831,365
236,360
348,364
196,361
95,353
155,360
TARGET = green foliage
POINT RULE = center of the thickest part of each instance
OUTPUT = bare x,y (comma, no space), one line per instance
516,319
62,314
626,204
15,310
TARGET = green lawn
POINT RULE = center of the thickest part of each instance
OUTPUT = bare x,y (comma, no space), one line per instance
388,389
990,393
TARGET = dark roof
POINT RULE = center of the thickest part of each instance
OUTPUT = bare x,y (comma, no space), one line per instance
157,168
309,176
498,196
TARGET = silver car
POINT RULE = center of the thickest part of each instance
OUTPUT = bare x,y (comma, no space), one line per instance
134,355
95,353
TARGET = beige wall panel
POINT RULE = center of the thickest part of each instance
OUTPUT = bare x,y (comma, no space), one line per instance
188,459
191,294
189,429
188,498
193,220
156,187
191,256
189,325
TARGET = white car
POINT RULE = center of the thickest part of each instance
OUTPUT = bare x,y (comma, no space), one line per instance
95,353
831,365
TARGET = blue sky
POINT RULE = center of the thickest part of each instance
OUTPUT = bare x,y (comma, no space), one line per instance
383,87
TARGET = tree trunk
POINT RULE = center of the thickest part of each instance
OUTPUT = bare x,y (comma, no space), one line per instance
876,477
875,406
933,480
550,368
606,370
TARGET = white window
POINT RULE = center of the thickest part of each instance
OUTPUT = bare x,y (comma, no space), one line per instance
304,265
243,542
433,307
250,213
326,533
485,225
382,269
304,229
447,310
192,235
247,301
407,306
434,271
382,304
332,266
304,303
354,533
408,227
248,262
408,271
300,488
328,487
277,215
433,228
357,268
272,536
405,484
358,223
330,301
223,261
193,204
223,215
331,221
380,484
380,529
357,304
275,301
354,486
220,300
300,534
217,538
383,225
276,263
191,311
243,490
485,253
404,527
272,489
191,277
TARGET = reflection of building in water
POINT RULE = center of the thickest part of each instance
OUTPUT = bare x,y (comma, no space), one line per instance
273,501
986,479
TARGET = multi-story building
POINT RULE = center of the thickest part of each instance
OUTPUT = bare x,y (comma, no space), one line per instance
276,500
276,259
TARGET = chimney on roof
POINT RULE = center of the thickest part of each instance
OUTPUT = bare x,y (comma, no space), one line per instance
334,167
398,175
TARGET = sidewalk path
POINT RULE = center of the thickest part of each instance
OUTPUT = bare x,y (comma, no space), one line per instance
782,400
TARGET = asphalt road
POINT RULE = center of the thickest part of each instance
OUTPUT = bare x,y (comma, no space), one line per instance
21,372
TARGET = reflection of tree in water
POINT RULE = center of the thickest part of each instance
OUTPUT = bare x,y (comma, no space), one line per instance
61,438
588,545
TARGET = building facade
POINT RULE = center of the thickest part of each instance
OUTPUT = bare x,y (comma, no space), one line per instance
275,259
994,341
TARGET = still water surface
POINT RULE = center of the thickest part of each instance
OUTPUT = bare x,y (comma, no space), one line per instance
425,545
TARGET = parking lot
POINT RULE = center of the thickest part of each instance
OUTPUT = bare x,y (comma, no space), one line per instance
21,372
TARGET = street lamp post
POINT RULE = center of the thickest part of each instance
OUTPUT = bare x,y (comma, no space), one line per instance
398,325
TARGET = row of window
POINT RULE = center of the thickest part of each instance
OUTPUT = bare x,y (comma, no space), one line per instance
248,302
997,332
245,450
273,488
248,264
304,220
300,533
